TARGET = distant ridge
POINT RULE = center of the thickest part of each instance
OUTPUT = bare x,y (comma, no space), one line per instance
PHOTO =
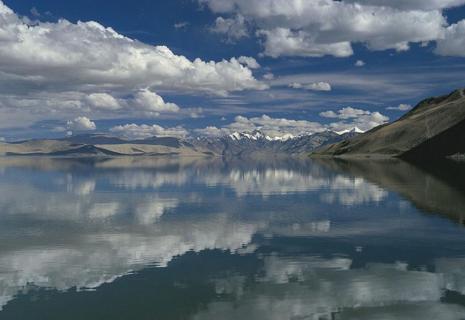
240,144
435,128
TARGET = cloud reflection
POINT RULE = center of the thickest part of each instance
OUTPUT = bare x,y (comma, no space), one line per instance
79,225
318,288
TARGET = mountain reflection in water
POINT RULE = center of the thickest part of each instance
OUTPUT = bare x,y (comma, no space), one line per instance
186,238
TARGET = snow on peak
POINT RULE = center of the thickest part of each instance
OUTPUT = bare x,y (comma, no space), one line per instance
282,138
258,135
353,130
236,136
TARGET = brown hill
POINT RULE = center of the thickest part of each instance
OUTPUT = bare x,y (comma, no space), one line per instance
434,128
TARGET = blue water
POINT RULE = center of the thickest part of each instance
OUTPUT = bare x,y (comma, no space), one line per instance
167,238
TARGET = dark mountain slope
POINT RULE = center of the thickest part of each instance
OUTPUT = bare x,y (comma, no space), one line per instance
448,143
424,131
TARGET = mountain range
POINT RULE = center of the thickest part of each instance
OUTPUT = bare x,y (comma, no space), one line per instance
239,144
434,129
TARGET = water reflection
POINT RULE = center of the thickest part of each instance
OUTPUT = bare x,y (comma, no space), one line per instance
437,187
279,240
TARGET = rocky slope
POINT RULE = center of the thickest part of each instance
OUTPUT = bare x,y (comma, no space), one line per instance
435,128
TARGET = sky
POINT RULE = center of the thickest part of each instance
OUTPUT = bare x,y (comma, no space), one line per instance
211,67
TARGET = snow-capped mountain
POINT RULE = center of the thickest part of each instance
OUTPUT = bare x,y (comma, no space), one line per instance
259,144
258,135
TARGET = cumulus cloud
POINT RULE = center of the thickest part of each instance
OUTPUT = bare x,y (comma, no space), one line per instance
285,42
345,113
249,62
273,127
334,26
88,53
349,117
81,124
143,102
152,102
234,28
68,68
103,101
354,118
316,86
453,43
401,107
212,131
359,63
412,4
134,131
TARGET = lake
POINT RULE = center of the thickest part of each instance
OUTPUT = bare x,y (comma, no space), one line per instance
188,238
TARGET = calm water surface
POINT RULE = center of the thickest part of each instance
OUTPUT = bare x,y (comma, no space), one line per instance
145,238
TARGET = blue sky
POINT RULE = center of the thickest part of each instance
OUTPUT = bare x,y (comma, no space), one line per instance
63,78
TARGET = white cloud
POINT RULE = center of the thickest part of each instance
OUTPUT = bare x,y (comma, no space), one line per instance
249,62
453,43
144,102
103,101
212,131
361,119
81,124
413,4
401,107
41,63
345,113
87,53
316,86
273,127
134,131
234,28
364,123
279,127
335,25
329,114
284,42
153,103
359,63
